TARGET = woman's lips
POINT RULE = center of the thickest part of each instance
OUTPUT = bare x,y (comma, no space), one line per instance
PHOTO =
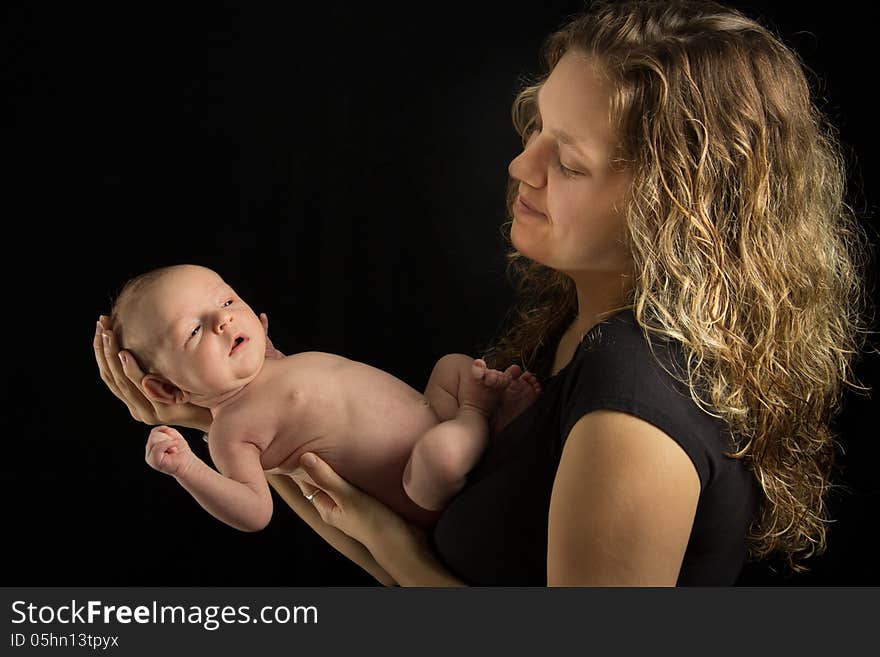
521,206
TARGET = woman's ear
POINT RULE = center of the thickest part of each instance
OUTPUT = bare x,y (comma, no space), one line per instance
163,391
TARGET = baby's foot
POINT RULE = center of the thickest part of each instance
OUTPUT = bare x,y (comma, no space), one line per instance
519,395
483,390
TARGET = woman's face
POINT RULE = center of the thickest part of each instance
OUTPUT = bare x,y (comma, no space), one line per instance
568,212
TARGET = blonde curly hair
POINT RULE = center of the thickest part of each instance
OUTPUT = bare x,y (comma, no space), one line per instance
745,250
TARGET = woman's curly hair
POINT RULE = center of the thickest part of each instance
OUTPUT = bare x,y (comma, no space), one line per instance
744,248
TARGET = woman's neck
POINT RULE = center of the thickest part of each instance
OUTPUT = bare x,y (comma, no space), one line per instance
597,294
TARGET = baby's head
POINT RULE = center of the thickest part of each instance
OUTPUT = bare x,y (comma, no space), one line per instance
194,338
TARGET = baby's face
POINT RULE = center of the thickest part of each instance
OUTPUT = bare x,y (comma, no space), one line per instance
206,339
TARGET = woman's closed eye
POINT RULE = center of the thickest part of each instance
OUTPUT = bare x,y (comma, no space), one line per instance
567,171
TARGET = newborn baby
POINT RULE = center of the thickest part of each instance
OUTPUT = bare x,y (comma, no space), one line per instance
199,343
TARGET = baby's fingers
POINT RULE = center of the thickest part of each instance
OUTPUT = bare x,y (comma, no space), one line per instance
161,445
161,438
163,432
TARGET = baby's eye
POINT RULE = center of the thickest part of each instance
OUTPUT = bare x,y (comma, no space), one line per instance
228,303
194,331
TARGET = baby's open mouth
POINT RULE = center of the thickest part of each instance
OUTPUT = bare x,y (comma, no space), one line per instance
240,340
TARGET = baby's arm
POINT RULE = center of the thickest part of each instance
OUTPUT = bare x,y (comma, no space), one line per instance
241,498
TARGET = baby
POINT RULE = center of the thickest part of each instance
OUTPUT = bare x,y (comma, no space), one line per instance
200,343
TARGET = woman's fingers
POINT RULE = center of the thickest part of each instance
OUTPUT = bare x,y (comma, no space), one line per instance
325,477
108,365
333,494
133,376
103,368
271,352
126,376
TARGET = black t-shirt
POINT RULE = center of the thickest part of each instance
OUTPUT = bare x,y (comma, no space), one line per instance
494,532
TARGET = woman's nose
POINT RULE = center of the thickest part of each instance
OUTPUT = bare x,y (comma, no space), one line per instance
527,166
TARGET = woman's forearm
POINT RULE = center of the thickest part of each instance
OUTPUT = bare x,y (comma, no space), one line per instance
290,493
409,560
200,420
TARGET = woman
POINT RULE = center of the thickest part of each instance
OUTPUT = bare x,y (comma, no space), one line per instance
691,294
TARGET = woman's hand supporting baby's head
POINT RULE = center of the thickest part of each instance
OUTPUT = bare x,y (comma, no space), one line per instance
122,374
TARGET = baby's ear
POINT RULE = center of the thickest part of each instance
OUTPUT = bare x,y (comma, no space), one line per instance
160,390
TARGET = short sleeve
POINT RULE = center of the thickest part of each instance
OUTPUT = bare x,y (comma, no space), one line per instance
616,370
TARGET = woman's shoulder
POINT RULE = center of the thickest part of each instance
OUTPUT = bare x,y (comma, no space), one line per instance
620,331
620,366
623,351
617,359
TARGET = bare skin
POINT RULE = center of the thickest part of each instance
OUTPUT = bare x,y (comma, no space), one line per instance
516,398
625,493
124,378
207,347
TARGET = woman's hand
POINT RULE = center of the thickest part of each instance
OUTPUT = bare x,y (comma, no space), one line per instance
401,549
349,509
120,371
271,352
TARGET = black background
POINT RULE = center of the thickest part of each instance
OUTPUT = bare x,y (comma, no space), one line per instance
343,166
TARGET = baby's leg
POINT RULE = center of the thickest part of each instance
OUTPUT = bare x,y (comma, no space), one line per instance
458,380
442,389
463,393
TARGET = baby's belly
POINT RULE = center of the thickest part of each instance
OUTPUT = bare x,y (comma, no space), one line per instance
370,447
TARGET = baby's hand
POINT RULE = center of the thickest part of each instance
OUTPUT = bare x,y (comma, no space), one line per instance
168,451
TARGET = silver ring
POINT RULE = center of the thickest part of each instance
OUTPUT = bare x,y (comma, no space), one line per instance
309,497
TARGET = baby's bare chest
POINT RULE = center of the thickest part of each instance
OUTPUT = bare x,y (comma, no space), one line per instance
340,409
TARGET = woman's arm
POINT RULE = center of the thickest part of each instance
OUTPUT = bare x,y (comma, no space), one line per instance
407,556
401,550
291,493
622,506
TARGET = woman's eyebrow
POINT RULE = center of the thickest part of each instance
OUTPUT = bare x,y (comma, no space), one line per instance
563,137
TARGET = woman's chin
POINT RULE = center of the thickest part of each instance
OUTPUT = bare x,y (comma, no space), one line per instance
526,241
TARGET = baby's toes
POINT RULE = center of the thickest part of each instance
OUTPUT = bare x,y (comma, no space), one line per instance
514,371
479,369
531,380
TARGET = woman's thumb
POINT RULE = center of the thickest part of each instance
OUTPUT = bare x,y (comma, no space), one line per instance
324,476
